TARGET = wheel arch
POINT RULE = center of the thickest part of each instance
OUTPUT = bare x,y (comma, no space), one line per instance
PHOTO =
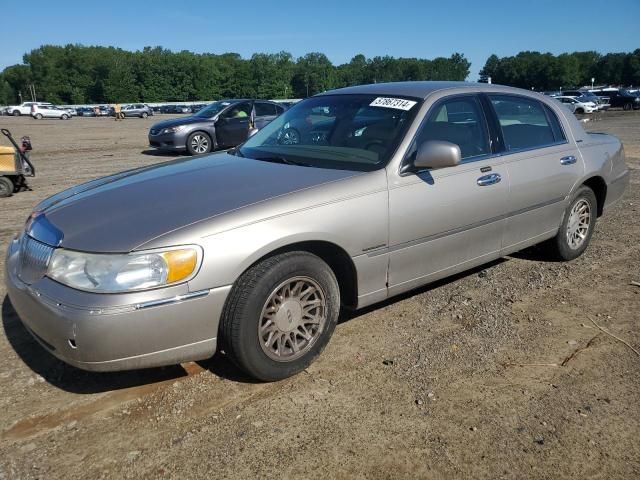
211,135
334,256
599,187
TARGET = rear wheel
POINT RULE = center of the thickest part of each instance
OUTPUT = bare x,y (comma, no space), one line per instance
280,315
579,110
16,113
38,116
144,115
64,116
199,143
6,187
627,106
577,226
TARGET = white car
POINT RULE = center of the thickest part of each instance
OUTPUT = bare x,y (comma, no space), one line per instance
49,111
576,106
24,108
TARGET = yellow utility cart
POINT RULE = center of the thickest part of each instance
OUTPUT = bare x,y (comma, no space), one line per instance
15,166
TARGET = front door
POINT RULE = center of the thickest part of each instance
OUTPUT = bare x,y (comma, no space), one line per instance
232,127
449,219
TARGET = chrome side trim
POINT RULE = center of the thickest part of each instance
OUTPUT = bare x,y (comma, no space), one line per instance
176,299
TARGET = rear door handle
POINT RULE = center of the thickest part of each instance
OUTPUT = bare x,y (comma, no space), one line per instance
490,179
570,160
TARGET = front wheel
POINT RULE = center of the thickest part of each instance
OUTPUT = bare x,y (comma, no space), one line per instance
199,143
280,315
579,110
577,226
16,113
64,117
627,106
38,116
6,187
144,115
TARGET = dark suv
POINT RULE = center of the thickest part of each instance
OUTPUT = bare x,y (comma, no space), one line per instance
220,125
620,98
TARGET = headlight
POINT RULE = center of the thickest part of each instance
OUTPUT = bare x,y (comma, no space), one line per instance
112,273
172,129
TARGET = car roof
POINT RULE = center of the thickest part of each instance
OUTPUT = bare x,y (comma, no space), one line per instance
419,89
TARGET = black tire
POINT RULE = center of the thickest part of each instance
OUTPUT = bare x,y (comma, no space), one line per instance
16,113
627,106
38,116
199,143
144,115
64,116
579,110
242,315
6,187
559,246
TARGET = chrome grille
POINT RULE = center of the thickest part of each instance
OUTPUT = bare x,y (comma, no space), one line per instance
34,259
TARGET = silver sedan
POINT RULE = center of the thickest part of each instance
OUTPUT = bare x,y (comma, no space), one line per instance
348,198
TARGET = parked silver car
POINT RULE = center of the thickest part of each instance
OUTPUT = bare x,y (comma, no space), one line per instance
348,198
141,110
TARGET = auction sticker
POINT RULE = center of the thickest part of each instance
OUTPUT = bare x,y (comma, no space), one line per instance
398,103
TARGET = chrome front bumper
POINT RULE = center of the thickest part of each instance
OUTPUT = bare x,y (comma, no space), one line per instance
107,332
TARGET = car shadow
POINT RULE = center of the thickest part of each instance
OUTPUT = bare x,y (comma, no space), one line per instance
347,315
537,253
161,153
67,377
74,380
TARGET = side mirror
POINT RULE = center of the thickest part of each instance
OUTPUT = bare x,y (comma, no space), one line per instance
252,132
437,154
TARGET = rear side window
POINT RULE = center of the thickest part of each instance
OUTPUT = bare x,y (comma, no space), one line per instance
524,122
265,109
556,128
457,120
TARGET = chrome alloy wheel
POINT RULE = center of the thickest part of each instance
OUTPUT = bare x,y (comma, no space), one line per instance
578,224
200,144
292,319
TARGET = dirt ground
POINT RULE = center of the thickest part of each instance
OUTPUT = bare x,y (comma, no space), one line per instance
424,386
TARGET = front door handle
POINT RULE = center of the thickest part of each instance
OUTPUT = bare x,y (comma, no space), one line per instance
490,179
569,160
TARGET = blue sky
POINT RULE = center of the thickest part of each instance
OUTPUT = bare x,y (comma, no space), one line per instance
340,29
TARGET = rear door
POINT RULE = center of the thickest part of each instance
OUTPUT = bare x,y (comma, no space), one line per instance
264,113
543,165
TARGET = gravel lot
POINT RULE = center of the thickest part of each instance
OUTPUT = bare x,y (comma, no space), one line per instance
429,385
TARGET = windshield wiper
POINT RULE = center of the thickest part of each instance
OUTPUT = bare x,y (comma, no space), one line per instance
277,159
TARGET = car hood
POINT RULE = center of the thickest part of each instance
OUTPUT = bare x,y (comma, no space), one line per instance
174,122
124,211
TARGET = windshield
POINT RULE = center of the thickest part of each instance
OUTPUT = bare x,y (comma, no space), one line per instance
210,110
346,132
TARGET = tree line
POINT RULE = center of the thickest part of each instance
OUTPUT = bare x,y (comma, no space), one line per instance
76,74
544,71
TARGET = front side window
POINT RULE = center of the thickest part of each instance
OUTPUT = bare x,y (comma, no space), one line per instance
239,110
346,132
523,121
458,120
